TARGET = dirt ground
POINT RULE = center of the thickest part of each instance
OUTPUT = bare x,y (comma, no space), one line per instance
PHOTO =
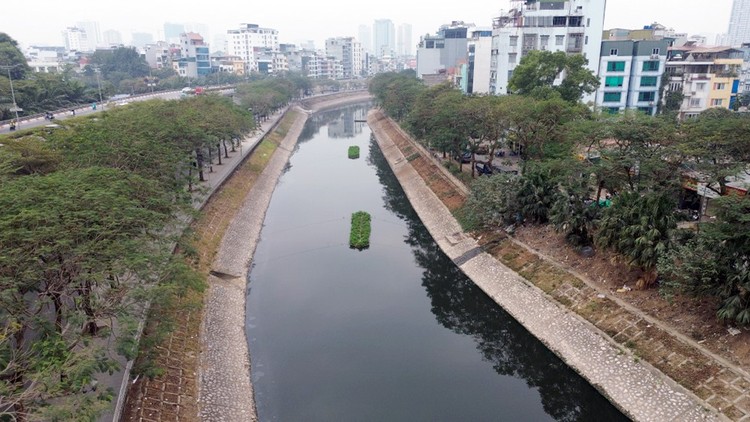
695,318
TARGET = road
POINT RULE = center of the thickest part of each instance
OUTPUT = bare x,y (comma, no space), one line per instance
82,111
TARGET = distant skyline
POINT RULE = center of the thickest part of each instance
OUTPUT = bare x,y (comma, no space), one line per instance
42,21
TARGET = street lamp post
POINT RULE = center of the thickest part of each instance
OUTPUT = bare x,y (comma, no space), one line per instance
99,84
12,92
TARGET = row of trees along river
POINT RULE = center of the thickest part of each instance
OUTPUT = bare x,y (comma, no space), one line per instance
571,157
89,215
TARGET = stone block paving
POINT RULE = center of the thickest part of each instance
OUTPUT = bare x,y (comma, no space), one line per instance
623,366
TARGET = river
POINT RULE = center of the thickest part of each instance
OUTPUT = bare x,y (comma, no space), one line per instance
392,333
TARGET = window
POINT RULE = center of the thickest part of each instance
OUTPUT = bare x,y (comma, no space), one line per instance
559,21
512,57
647,96
588,22
651,66
719,86
648,81
586,40
513,41
612,97
613,81
613,52
655,51
544,40
700,86
616,66
559,39
695,102
717,102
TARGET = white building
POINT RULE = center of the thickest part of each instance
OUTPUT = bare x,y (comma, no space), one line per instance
250,40
403,40
157,55
93,35
385,38
479,68
442,56
572,26
45,59
365,38
348,51
75,39
739,23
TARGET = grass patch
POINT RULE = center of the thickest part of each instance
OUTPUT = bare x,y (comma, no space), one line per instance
353,152
359,237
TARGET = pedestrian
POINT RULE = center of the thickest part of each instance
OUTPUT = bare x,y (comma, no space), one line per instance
13,124
72,110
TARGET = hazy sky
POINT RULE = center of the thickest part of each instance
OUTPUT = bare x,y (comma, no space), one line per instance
41,21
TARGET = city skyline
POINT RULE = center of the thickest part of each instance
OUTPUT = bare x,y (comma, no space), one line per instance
315,22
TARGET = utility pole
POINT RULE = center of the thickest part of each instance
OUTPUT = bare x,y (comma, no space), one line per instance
12,92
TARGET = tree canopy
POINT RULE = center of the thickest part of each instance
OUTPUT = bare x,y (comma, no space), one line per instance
538,70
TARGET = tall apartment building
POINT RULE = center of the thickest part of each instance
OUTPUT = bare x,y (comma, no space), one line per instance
572,26
739,23
631,73
195,60
75,39
384,35
250,40
93,35
440,57
477,77
112,38
707,77
403,40
365,38
348,51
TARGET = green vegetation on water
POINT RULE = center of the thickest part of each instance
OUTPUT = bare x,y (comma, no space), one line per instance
359,237
353,152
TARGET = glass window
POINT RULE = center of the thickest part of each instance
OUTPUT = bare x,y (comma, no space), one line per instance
646,96
613,52
512,57
615,66
717,101
651,66
612,97
648,81
614,80
719,86
655,51
700,86
695,102
559,39
513,41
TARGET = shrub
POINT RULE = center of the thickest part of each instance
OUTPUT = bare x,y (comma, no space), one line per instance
353,152
359,237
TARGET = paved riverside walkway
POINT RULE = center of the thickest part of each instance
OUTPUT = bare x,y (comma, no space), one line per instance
225,388
636,388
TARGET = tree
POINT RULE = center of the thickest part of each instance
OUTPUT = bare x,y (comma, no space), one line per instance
122,60
492,202
11,56
535,75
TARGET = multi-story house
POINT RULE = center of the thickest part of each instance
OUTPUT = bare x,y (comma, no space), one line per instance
630,73
572,26
477,77
195,60
707,77
348,51
441,57
158,55
250,39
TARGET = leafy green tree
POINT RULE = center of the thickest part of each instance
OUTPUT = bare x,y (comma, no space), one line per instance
488,122
536,195
572,213
535,75
124,61
639,226
492,202
10,55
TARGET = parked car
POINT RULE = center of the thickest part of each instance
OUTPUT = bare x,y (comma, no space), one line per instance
463,158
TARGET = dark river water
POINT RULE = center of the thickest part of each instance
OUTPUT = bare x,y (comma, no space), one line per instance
392,333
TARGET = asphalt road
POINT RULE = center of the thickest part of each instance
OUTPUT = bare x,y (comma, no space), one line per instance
82,111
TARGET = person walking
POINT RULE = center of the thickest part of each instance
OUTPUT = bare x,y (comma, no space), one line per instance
13,124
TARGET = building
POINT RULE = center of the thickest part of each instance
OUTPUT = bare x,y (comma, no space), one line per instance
365,38
572,26
45,59
112,38
445,53
75,39
228,64
631,74
739,23
654,31
250,40
707,77
348,51
172,32
384,35
93,35
158,55
403,40
141,39
478,69
194,58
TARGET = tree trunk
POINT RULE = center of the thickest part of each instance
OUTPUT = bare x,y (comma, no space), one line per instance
218,156
599,192
226,152
199,164
89,327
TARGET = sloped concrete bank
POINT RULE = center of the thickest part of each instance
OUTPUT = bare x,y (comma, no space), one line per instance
635,387
225,388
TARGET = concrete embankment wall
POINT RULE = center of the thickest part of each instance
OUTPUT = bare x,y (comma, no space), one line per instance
639,390
225,386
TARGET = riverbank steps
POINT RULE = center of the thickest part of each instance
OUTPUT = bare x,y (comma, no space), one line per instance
635,387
